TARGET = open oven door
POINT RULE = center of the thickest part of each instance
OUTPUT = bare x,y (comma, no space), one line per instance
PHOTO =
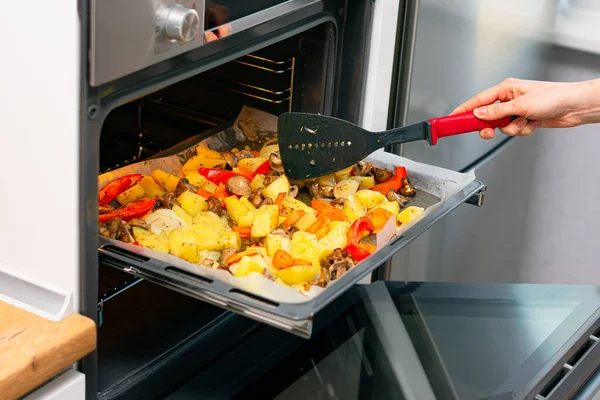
326,70
423,341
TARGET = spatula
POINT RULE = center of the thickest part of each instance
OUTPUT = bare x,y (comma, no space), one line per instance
313,145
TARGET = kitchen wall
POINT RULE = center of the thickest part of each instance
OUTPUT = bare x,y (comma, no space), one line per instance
539,223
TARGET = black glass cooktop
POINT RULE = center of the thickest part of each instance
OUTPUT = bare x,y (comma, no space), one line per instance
421,341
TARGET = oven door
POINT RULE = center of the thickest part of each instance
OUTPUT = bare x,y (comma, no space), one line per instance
390,340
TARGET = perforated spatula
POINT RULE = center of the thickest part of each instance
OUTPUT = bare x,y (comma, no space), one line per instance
314,145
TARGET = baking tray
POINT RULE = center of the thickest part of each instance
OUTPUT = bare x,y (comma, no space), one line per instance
439,191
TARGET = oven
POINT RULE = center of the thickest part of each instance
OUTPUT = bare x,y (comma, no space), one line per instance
159,75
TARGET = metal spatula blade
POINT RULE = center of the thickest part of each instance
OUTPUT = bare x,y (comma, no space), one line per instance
313,145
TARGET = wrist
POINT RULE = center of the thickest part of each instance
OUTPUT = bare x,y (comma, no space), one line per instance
586,102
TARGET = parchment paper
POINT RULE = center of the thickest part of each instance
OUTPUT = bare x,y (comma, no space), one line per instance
253,127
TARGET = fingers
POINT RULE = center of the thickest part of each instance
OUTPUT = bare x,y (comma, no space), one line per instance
487,133
500,92
497,111
518,127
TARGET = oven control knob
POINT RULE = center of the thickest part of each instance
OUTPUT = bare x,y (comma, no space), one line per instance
182,24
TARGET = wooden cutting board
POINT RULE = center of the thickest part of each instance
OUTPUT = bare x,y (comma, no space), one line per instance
34,349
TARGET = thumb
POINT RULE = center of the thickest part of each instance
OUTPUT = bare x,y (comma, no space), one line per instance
496,111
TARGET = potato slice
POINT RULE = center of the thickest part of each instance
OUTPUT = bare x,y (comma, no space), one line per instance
297,274
258,182
181,213
290,204
279,185
336,238
244,200
305,246
153,190
231,240
235,208
136,192
306,221
201,161
265,221
196,179
246,219
277,242
210,219
192,203
370,198
353,208
151,241
246,266
251,164
209,186
166,180
409,213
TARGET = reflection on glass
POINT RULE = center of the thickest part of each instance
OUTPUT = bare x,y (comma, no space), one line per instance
216,16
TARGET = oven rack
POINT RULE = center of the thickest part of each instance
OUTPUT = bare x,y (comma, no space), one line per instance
111,283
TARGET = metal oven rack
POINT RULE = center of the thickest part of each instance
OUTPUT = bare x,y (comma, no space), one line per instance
112,282
138,130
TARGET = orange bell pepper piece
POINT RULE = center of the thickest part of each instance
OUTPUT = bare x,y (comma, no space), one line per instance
232,259
321,206
245,232
279,198
379,217
282,259
293,218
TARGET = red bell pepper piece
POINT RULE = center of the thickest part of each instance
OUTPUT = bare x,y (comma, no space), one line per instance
216,176
135,209
394,182
114,188
359,251
262,168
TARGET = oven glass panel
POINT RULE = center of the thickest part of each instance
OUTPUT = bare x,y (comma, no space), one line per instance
220,12
444,341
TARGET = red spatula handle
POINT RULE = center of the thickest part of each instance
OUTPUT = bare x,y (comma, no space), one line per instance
461,123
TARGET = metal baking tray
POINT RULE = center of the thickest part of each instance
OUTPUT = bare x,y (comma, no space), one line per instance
441,191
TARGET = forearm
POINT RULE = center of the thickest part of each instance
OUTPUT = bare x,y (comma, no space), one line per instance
584,102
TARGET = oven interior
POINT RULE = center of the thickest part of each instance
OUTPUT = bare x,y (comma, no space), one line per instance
151,334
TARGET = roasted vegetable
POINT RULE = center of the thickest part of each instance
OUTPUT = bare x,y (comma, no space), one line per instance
266,219
136,192
192,203
111,190
166,180
136,209
151,188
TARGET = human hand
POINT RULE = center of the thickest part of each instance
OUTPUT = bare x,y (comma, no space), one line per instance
216,16
536,103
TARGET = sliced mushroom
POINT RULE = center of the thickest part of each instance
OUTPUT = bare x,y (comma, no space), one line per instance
281,232
382,175
270,177
314,191
327,191
228,252
393,196
246,153
110,228
138,223
184,185
293,191
168,200
207,262
338,203
105,209
406,189
214,205
266,202
363,169
239,185
337,264
275,163
124,233
256,198
230,158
